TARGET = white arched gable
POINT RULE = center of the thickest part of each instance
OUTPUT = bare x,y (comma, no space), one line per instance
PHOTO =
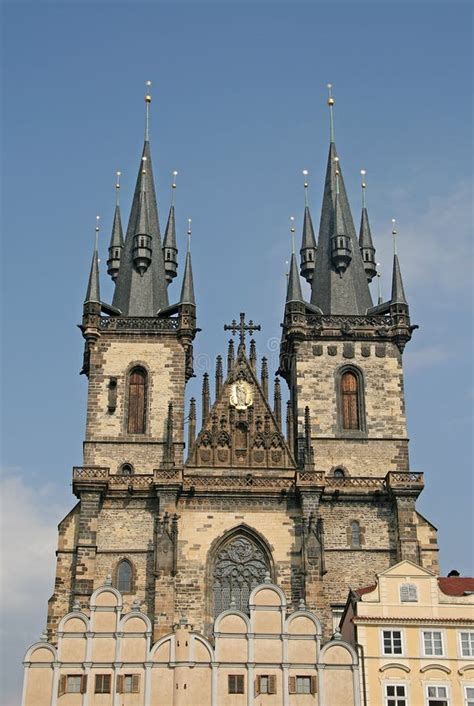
339,643
105,589
74,614
136,614
231,611
267,587
303,614
207,645
38,646
166,638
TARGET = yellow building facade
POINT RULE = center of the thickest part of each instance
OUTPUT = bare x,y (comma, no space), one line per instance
414,634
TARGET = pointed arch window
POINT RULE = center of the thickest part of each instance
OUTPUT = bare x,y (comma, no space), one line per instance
124,576
137,393
350,398
239,566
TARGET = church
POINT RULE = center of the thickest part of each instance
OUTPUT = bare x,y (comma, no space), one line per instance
209,560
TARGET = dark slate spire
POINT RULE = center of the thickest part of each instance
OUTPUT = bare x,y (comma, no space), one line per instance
293,292
116,240
93,286
308,241
187,289
142,247
333,294
365,238
340,242
143,295
398,292
170,249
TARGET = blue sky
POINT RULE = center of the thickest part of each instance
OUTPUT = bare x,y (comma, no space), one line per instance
239,110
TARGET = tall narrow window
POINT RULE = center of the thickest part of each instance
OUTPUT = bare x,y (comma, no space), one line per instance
355,534
137,401
350,401
124,577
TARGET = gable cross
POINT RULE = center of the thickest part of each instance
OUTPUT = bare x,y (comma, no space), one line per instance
242,328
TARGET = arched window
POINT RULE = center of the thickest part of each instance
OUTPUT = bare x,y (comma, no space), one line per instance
350,400
124,576
137,401
126,469
240,565
339,473
355,534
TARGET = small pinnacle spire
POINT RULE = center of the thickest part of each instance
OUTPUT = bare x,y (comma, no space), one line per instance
169,248
219,376
308,241
277,401
398,291
289,425
363,186
147,110
293,292
205,397
230,356
117,188
116,239
192,423
173,186
365,237
253,355
93,287
264,377
331,115
187,290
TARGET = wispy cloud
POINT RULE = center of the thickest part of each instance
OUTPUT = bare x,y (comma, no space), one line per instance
28,519
426,357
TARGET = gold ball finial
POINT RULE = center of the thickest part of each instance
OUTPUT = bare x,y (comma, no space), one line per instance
147,95
174,174
292,224
363,173
330,98
117,183
189,226
305,174
97,227
394,230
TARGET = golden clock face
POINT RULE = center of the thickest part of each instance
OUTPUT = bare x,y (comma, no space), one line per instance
241,395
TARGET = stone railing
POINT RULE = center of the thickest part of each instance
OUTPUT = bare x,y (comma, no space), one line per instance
235,482
164,475
139,323
405,479
344,321
310,478
356,482
90,473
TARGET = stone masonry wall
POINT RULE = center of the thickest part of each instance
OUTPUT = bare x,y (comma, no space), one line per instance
383,446
107,441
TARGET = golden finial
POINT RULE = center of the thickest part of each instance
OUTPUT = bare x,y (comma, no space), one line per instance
305,184
117,187
379,288
189,234
144,160
292,232
336,167
331,116
363,185
394,235
174,174
97,228
147,113
287,273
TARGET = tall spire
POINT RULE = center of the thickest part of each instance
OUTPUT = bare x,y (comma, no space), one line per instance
170,250
187,289
146,293
116,239
333,294
308,241
293,291
93,286
365,237
398,291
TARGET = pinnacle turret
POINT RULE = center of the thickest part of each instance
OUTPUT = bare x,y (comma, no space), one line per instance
398,291
93,285
187,288
308,241
293,292
365,238
116,239
170,250
341,254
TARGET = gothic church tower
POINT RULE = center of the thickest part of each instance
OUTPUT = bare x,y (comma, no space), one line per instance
315,503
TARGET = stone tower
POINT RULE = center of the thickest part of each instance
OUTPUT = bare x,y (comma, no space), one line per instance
314,503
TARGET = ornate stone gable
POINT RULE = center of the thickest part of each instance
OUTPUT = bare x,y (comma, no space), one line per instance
241,431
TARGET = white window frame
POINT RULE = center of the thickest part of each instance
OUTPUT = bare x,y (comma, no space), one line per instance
437,685
471,653
468,700
395,684
443,643
410,587
402,639
307,678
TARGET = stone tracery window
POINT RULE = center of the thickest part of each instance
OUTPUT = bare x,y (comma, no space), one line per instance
240,565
